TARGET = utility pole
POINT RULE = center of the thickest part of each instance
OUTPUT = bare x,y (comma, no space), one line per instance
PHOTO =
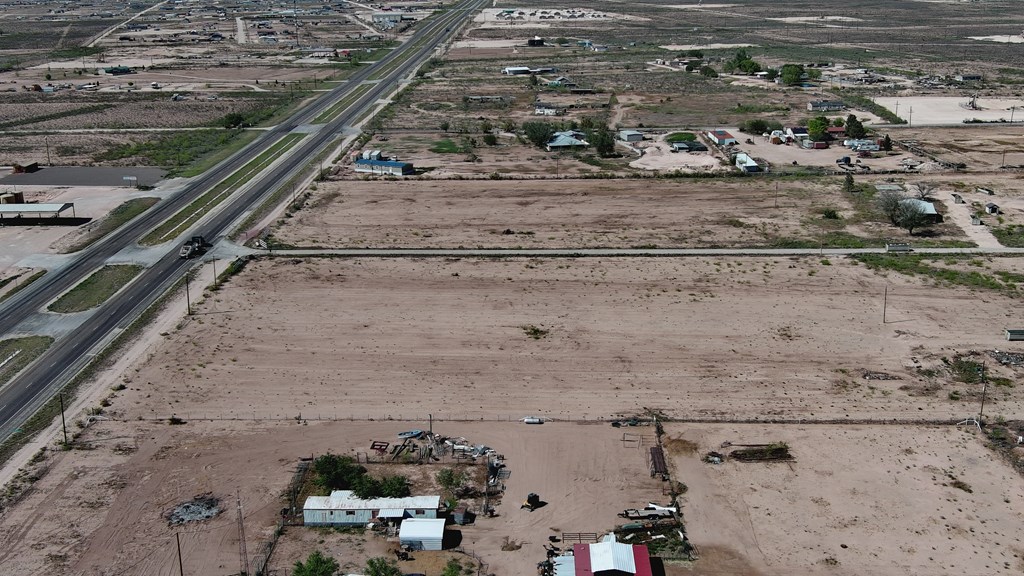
776,194
181,567
214,262
243,555
984,393
50,163
63,422
885,302
188,300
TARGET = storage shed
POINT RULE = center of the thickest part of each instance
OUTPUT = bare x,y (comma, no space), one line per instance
420,534
631,135
342,508
721,137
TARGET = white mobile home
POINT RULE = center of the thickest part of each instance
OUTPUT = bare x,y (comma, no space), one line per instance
342,508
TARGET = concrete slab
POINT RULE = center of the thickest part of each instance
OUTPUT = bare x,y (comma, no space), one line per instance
84,176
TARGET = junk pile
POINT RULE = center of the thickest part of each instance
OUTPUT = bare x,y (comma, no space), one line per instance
202,507
1007,358
774,452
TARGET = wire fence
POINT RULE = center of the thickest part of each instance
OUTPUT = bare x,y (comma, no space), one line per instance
418,420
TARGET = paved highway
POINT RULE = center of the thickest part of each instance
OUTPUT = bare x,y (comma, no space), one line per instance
21,397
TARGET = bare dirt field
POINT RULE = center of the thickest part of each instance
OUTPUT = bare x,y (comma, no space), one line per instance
951,110
746,338
623,334
857,500
593,213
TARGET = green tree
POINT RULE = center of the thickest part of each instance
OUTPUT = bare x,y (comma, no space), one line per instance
337,472
445,125
889,204
708,72
366,487
771,74
508,125
887,143
694,53
848,183
838,122
382,567
854,127
451,479
395,487
792,74
533,79
486,126
232,120
754,126
316,565
490,139
537,132
911,216
817,128
602,140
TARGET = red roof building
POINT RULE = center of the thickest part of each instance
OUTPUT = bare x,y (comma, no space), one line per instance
611,558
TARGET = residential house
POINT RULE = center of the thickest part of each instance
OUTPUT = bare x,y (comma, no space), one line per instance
343,508
926,207
825,106
567,140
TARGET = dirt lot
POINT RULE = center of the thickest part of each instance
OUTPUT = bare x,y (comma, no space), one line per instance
592,213
23,244
951,110
258,349
858,500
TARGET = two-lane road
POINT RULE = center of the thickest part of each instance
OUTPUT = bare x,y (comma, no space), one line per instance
21,397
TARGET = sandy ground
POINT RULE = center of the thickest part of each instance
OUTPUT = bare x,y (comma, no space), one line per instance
950,110
583,213
403,339
544,213
624,334
658,155
858,500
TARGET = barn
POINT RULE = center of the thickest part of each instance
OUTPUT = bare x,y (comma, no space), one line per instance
421,534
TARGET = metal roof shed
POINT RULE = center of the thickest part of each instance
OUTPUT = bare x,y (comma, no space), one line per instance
422,534
35,209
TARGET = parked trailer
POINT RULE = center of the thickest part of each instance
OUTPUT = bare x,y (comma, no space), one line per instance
644,514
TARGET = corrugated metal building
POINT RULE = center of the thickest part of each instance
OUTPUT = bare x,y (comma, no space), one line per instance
605,558
392,167
421,534
342,508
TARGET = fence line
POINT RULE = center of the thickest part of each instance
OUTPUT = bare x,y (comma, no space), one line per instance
585,418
